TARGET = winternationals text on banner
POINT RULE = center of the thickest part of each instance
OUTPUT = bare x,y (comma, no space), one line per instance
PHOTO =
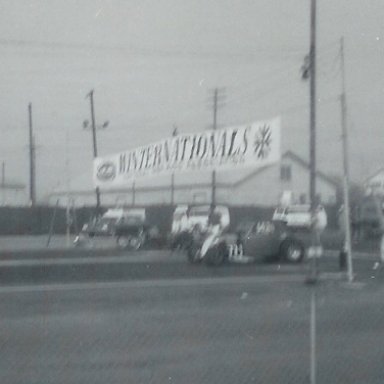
250,145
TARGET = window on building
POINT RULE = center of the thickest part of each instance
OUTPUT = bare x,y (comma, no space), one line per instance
285,172
303,198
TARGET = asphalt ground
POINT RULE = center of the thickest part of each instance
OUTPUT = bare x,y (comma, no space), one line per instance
83,266
100,315
28,260
233,329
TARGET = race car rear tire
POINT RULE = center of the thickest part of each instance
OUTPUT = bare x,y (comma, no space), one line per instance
215,256
193,253
136,242
122,241
292,251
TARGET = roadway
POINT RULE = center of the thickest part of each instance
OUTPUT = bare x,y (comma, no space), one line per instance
149,317
84,265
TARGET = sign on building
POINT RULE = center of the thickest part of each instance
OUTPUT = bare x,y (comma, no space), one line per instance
250,145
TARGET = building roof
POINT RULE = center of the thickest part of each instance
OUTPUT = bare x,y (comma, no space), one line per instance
380,170
13,186
321,175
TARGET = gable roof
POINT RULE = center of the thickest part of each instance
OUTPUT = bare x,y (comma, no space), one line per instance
293,156
12,186
297,159
380,170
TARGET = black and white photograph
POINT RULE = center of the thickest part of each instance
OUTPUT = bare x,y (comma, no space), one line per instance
191,192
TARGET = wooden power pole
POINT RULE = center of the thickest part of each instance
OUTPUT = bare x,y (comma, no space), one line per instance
32,159
217,97
347,242
94,141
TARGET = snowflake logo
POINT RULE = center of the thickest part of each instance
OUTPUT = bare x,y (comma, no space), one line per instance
262,143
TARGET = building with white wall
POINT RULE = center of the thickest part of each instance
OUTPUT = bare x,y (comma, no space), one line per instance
258,187
13,194
374,185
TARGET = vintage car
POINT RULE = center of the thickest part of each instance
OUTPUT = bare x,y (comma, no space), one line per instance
104,225
294,215
128,226
132,231
253,241
192,220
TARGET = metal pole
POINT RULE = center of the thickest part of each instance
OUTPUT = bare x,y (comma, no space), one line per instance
52,222
174,134
347,244
213,182
97,190
313,366
312,144
3,174
133,194
3,183
32,192
312,189
172,188
312,94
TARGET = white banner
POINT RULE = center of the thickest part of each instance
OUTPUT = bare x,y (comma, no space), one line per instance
250,145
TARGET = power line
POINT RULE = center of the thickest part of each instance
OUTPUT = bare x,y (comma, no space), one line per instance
181,52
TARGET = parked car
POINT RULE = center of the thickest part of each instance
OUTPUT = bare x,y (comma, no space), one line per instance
128,226
104,225
254,241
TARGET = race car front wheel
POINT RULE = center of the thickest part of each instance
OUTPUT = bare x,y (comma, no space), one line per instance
292,251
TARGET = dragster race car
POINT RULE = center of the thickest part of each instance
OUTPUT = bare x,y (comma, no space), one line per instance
251,242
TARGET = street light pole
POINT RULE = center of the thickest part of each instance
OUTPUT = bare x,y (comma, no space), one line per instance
347,242
174,134
312,144
94,140
213,182
32,159
315,241
218,95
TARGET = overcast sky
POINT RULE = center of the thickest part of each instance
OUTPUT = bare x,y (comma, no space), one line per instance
153,64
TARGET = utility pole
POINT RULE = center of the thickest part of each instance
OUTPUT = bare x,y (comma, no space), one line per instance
133,193
174,134
312,94
315,236
32,158
3,182
216,98
347,243
309,72
3,174
94,141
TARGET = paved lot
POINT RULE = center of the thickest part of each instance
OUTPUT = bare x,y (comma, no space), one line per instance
99,316
227,330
